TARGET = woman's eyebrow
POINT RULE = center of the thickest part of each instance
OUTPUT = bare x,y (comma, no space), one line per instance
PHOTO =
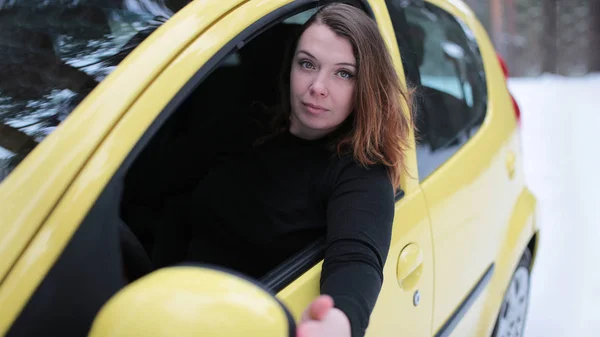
307,53
350,64
346,64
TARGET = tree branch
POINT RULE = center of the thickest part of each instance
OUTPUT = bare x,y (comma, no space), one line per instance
16,141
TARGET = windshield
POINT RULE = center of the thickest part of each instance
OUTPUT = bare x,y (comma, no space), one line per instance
54,52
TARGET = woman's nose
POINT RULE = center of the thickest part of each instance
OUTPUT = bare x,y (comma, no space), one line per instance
319,87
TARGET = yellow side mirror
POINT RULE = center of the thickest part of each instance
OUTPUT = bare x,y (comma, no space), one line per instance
193,301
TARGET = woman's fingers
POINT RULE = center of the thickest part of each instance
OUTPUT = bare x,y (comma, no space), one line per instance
319,308
309,329
333,324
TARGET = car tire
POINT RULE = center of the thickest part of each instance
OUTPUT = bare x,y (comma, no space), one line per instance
513,312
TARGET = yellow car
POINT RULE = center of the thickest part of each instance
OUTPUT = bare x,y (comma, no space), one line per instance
109,110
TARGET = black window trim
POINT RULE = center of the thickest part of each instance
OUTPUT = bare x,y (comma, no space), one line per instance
307,258
478,60
466,304
301,262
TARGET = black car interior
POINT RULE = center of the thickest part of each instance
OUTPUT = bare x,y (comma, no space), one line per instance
203,128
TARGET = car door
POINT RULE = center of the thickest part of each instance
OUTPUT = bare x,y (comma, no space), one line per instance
209,62
407,293
461,153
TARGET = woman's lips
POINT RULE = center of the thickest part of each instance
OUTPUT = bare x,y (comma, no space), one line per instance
313,108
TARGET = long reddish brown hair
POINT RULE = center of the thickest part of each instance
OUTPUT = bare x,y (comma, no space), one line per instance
377,131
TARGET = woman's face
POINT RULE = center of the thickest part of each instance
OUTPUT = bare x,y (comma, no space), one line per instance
322,82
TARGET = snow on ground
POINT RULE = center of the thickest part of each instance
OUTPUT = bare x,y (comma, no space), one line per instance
561,145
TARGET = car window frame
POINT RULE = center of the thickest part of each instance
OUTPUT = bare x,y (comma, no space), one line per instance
414,78
305,259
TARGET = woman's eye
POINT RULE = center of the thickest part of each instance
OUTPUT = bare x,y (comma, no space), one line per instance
344,74
306,65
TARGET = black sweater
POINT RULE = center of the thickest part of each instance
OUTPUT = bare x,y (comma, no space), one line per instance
254,209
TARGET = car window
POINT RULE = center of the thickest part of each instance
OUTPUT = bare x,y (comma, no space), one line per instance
227,111
443,62
222,112
54,53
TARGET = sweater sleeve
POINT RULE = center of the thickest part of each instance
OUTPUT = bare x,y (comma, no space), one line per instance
360,212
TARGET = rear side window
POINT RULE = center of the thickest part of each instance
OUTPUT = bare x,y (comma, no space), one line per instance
444,63
53,53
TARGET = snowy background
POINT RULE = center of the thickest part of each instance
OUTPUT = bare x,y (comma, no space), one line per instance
560,128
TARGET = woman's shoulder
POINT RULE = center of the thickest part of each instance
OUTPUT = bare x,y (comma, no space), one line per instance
357,186
346,170
346,163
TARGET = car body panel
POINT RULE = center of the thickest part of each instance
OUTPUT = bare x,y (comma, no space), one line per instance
469,199
34,187
438,215
510,242
396,305
514,241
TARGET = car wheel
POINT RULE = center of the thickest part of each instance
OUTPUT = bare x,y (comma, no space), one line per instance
511,319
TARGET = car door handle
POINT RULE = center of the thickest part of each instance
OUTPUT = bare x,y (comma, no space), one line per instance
410,266
510,164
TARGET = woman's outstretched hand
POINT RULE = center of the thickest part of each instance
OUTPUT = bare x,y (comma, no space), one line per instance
321,319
